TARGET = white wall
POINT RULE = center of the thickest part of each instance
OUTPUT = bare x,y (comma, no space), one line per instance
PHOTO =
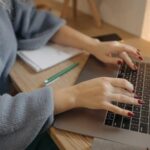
125,14
130,15
146,24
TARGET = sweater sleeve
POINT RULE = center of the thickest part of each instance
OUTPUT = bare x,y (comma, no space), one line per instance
23,116
33,28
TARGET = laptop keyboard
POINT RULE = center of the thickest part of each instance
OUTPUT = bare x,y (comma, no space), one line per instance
141,120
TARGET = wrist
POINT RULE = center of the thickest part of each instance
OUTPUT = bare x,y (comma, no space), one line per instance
91,45
64,100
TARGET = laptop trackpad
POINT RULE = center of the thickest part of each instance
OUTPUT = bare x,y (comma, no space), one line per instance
95,68
109,145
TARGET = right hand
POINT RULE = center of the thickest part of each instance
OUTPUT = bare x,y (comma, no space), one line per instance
98,94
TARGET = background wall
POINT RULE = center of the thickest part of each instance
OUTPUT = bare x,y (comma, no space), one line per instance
146,23
125,14
130,15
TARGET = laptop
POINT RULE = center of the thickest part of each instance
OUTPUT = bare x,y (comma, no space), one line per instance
107,125
99,144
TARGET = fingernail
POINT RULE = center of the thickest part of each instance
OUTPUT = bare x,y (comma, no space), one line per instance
130,114
140,101
119,62
140,58
136,97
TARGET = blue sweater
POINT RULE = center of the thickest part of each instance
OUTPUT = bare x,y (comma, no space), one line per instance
25,115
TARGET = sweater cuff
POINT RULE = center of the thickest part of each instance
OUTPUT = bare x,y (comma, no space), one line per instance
45,103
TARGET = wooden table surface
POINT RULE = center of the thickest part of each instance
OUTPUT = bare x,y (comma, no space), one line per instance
25,79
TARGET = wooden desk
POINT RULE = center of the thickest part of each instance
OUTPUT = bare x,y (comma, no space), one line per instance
26,80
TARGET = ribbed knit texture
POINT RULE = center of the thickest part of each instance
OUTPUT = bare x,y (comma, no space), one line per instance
24,116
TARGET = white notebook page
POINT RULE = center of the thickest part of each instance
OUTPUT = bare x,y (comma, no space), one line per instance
47,56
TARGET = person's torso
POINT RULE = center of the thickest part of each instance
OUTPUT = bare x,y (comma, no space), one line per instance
8,47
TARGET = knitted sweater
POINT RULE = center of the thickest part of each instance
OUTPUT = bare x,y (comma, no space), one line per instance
24,116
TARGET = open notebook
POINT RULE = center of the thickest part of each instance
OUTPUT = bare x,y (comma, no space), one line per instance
47,56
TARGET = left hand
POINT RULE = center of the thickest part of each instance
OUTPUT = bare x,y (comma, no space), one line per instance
116,53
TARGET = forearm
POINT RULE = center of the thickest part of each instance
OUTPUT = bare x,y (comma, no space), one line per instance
25,114
70,37
64,100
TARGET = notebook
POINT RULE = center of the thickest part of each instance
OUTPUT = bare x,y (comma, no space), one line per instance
47,56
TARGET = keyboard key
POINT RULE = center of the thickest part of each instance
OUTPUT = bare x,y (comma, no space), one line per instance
117,121
146,102
146,86
146,97
128,107
145,108
136,108
110,115
140,89
143,128
120,75
136,114
146,91
108,122
126,123
114,103
121,105
134,73
139,85
133,77
135,121
126,78
144,119
147,80
134,127
144,114
139,94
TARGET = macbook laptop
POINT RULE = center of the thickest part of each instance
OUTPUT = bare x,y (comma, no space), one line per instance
107,125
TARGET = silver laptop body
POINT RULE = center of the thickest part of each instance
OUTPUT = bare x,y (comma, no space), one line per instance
91,122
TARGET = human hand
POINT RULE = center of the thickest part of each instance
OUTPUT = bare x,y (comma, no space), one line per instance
97,94
116,53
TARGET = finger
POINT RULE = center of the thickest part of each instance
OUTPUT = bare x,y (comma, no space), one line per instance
117,90
128,60
118,110
113,60
136,52
121,83
125,99
140,57
122,47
